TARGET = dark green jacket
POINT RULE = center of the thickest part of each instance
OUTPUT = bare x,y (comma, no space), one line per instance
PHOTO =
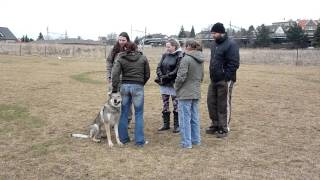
189,76
134,68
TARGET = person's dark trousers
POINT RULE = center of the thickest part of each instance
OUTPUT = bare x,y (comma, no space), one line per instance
219,104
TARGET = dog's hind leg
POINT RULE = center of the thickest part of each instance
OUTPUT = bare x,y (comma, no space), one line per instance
117,134
94,132
107,127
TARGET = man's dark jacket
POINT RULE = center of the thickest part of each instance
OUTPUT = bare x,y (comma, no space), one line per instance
224,60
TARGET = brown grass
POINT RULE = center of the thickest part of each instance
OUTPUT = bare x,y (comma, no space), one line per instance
275,126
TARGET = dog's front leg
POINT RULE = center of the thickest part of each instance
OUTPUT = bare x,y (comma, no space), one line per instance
117,134
107,127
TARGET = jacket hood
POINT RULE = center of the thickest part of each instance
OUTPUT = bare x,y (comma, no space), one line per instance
130,56
179,50
197,55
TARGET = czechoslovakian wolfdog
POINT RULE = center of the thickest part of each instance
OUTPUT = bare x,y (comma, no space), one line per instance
107,117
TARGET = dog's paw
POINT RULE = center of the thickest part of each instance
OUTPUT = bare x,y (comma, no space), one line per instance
96,140
110,145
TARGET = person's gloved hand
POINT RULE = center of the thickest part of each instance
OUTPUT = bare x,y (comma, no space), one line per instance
166,76
157,80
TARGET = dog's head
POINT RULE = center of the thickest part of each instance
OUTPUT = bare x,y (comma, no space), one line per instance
115,100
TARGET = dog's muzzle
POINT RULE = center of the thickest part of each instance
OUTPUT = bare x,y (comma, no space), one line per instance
116,102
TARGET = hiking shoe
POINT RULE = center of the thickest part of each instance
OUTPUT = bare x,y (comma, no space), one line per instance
212,130
222,134
141,145
186,146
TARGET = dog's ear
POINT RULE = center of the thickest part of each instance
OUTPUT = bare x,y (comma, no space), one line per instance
109,95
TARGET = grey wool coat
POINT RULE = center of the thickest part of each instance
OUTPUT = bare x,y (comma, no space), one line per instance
190,75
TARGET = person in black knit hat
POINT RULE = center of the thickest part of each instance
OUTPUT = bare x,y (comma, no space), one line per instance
218,28
224,63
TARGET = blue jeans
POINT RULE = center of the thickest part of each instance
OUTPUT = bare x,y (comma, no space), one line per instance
189,122
132,93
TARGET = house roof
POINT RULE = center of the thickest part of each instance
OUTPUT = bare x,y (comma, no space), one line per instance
6,34
204,35
304,22
312,23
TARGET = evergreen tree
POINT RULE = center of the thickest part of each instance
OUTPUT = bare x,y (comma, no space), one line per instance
40,37
251,29
192,33
263,38
296,36
317,37
26,39
182,33
251,33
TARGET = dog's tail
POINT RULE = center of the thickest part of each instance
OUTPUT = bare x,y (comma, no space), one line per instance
84,136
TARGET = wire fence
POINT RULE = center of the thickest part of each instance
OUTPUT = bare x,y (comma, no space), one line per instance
58,50
247,56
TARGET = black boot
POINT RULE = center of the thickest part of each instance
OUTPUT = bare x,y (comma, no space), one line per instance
212,129
176,128
166,121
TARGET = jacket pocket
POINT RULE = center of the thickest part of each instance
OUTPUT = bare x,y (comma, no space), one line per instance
219,73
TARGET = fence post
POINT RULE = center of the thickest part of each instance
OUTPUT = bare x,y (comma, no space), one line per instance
20,50
45,51
105,51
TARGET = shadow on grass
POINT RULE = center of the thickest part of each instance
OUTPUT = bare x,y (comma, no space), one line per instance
85,77
15,118
44,148
18,126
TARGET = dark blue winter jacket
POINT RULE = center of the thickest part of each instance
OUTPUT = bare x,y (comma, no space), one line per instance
224,60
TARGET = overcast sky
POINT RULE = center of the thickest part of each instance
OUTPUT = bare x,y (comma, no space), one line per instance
92,18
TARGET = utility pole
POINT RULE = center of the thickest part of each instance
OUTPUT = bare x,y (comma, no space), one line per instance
48,33
66,35
230,31
145,35
131,32
145,31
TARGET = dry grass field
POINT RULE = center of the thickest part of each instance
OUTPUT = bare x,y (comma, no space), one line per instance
275,126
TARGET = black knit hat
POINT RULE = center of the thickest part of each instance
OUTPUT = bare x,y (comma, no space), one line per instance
218,28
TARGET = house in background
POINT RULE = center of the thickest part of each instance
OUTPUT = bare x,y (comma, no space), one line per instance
6,35
277,33
308,26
